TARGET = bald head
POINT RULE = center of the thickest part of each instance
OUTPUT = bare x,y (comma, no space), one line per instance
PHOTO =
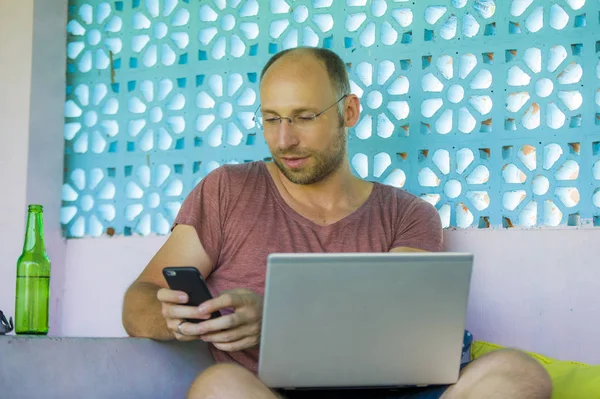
303,61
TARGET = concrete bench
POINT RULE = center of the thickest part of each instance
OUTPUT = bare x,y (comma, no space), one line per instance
46,367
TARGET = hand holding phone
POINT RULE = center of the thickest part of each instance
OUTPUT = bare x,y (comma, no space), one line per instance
232,332
190,281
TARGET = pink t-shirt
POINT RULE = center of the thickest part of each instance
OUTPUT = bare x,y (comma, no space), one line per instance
241,218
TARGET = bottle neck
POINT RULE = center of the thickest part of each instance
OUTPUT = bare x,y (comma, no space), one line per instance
34,234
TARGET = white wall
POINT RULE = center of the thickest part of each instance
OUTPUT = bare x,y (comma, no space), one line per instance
537,290
98,273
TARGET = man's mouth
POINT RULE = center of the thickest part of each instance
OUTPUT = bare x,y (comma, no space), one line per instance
294,162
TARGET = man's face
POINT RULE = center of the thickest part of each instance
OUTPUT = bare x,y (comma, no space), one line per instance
297,85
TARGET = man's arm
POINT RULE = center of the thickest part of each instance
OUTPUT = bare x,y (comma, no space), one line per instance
142,311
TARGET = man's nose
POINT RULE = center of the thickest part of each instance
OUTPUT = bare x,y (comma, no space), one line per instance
286,137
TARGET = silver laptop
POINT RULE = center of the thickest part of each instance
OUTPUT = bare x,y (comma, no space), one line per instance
363,320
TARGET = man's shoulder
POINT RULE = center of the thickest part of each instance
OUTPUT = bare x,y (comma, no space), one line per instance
236,172
405,201
399,195
418,223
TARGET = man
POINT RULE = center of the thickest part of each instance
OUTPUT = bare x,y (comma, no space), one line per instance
306,200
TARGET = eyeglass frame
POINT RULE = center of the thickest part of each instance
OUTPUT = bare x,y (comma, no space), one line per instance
289,118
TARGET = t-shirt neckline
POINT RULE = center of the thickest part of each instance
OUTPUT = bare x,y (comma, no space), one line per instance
307,222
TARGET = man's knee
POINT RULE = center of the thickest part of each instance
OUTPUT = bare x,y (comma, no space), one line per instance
216,379
225,372
512,359
519,364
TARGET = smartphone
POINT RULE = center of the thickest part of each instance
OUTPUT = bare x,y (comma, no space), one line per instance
190,281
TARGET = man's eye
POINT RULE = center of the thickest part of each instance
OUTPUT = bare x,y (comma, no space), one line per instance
270,120
309,117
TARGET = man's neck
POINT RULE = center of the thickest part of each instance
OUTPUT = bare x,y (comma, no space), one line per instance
338,189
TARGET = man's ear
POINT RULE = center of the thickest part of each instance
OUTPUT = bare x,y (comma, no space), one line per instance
351,111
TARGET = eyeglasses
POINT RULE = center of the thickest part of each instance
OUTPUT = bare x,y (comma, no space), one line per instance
300,121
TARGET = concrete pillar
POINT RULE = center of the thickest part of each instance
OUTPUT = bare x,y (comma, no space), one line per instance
32,87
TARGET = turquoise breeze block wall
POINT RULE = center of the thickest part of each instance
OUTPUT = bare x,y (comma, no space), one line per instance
488,109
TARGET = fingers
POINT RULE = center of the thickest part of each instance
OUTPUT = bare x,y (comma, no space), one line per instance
174,311
170,296
173,324
232,335
226,322
226,300
181,312
244,343
236,331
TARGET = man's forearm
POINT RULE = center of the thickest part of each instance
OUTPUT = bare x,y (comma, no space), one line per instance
142,313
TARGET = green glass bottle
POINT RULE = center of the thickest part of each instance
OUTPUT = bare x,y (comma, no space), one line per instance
33,278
